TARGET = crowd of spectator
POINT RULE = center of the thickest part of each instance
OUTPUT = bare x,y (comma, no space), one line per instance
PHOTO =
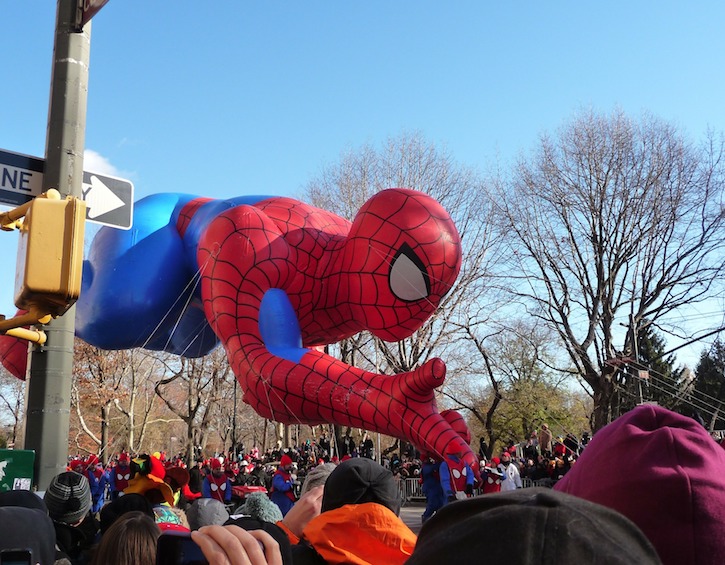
666,506
542,458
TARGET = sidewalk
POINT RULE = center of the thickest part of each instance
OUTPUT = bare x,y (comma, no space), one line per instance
410,514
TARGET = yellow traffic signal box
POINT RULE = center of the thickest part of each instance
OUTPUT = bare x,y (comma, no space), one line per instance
50,255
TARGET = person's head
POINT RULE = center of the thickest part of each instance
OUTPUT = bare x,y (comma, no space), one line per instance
259,506
360,480
674,469
24,499
68,498
206,512
534,526
28,528
176,478
131,540
286,463
505,458
317,476
92,461
217,469
544,427
122,505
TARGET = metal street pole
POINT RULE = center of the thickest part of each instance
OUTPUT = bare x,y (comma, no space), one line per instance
234,422
51,365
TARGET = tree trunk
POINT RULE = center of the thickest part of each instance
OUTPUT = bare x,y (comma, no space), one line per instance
132,424
189,446
603,396
264,438
105,424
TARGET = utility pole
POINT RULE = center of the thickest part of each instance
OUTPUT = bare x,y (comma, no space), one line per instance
51,365
234,421
635,350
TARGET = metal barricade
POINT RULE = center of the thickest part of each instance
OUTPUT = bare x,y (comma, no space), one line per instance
410,490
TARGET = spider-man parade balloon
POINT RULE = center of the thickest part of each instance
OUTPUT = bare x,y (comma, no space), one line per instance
271,278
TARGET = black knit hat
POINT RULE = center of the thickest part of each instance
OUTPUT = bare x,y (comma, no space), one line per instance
126,503
532,526
23,498
68,497
359,480
28,528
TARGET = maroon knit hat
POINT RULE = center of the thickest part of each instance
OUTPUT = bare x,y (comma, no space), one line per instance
665,473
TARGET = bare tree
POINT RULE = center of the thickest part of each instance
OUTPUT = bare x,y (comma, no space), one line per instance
113,398
611,225
138,403
97,377
12,402
192,389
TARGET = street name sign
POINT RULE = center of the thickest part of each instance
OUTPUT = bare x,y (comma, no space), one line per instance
109,200
87,9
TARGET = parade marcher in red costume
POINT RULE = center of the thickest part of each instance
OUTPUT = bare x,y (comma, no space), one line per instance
97,481
283,482
492,477
457,476
120,474
216,484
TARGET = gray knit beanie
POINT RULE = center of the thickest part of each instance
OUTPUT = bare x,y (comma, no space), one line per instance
317,476
259,506
68,497
206,512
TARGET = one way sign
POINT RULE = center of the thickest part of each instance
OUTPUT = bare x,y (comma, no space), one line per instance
109,200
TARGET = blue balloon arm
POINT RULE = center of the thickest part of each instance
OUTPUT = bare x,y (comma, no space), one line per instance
279,327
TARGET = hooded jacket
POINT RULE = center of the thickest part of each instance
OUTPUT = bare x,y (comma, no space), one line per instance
358,534
359,523
665,473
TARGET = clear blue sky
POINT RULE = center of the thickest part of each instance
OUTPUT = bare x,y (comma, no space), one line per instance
229,98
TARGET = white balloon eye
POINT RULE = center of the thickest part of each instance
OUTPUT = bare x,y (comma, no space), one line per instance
409,280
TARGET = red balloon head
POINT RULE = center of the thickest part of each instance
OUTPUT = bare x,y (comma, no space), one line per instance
402,256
